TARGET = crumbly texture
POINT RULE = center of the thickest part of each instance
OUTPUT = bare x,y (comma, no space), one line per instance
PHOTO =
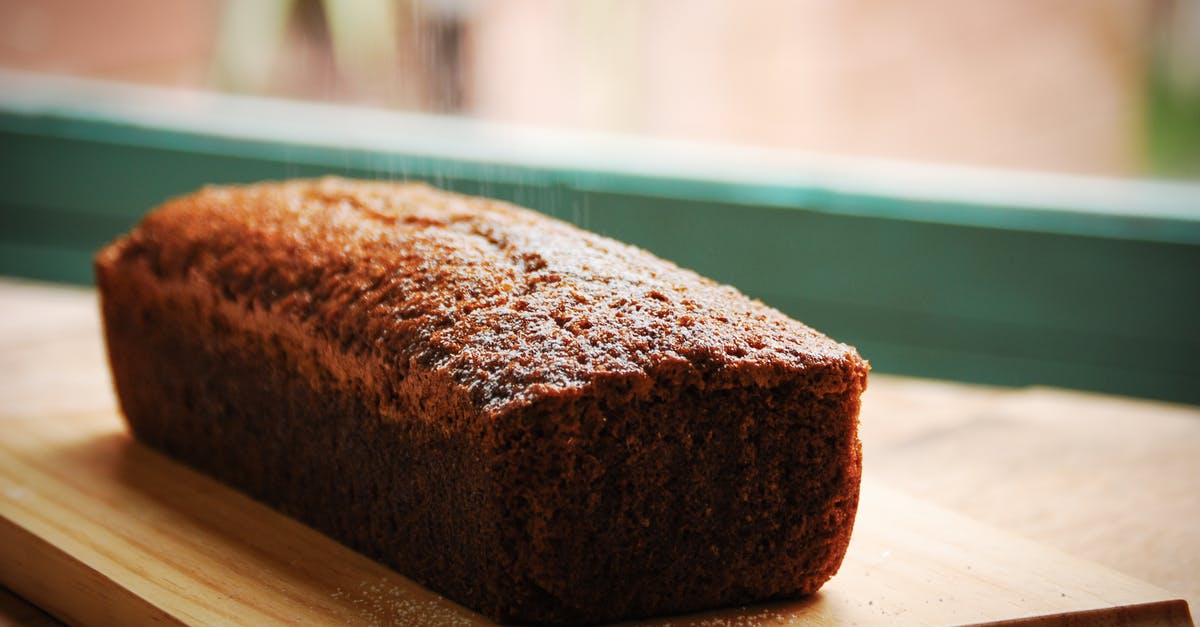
540,423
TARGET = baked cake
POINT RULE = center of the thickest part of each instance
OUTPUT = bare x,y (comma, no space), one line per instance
540,423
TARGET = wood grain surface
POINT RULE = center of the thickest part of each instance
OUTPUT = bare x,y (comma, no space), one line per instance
96,528
1113,480
101,530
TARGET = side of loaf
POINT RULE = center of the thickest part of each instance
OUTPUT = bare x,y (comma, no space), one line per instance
540,423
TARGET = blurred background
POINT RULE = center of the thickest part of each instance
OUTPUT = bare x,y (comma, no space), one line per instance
999,192
1106,87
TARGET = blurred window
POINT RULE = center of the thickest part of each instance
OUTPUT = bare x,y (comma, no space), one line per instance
1107,87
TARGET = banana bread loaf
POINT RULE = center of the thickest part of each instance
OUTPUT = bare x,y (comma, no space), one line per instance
540,423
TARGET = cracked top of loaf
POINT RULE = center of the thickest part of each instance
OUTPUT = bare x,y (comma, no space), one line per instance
509,303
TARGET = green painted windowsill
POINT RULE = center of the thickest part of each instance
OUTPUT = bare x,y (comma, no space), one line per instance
957,273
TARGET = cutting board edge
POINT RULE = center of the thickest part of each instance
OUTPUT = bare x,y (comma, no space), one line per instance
48,576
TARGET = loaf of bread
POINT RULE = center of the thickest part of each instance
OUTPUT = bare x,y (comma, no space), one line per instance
540,423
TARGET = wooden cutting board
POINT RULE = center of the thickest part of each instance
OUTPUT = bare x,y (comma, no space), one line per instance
97,529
